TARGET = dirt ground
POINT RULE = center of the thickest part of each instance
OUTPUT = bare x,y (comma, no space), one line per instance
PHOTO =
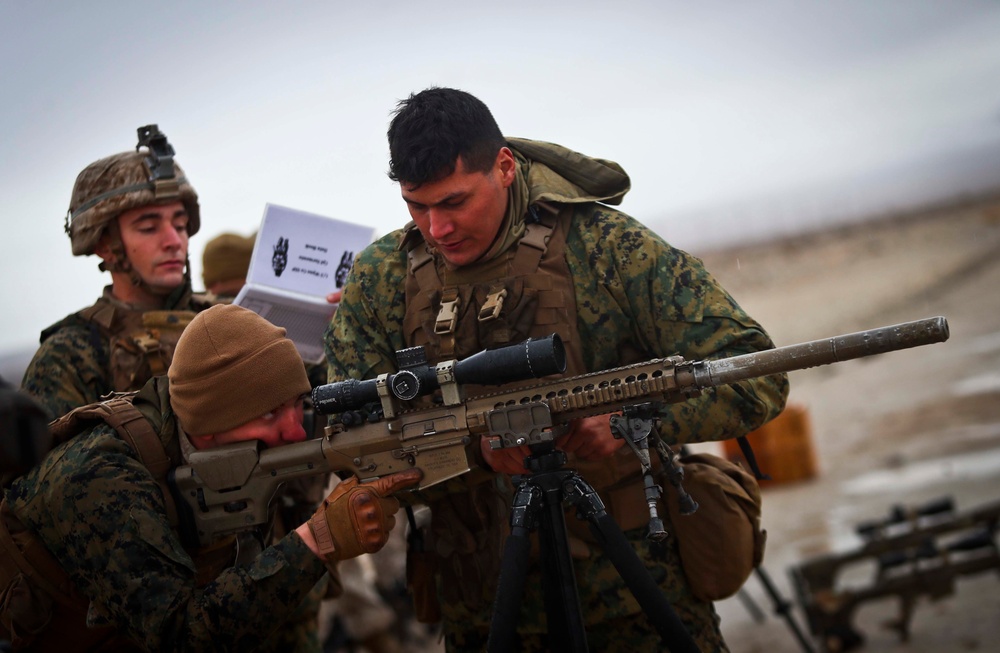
901,428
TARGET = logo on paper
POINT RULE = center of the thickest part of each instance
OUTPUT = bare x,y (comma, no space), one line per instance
280,257
345,266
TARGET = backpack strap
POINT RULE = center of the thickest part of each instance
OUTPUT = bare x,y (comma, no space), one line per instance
531,248
135,429
751,458
125,418
118,412
747,454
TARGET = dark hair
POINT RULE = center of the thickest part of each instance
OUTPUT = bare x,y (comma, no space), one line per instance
432,128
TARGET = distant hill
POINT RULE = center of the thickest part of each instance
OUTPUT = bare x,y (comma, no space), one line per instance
14,361
944,179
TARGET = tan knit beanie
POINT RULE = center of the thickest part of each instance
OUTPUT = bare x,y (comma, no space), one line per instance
231,366
226,257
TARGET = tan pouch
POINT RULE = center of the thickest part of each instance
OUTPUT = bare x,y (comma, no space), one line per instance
721,543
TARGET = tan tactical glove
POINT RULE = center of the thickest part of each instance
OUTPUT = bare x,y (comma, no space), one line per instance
356,518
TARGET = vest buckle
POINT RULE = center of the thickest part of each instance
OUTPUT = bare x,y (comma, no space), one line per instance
447,318
493,305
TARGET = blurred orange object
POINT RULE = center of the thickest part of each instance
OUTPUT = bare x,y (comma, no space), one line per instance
783,447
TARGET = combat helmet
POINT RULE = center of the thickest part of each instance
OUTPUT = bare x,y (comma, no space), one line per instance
124,181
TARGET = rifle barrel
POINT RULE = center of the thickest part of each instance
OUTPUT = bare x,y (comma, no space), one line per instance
822,352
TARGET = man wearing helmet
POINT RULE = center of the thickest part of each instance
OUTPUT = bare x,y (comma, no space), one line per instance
135,211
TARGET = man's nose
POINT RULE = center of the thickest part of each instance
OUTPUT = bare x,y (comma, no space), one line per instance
291,426
172,238
441,224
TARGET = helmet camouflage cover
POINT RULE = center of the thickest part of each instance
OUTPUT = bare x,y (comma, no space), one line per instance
126,181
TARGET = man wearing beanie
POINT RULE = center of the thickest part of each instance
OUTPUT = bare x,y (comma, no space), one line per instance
94,520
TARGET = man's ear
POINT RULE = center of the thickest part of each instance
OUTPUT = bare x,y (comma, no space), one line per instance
507,165
103,248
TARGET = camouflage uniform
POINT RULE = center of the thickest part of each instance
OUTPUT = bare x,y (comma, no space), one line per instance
73,366
101,514
113,345
636,298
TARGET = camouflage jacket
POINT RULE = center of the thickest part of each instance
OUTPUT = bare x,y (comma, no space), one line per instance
637,298
73,366
101,514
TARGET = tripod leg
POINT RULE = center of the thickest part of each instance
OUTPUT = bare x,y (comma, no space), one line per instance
630,567
513,571
510,589
538,503
562,601
642,585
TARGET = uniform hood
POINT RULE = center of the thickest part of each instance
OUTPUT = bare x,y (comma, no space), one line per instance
558,174
547,172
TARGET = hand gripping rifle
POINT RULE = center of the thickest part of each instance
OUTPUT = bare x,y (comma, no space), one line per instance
230,489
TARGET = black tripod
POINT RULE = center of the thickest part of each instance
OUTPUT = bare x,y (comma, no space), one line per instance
538,504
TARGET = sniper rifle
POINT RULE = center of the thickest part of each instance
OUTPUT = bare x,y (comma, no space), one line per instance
231,489
917,552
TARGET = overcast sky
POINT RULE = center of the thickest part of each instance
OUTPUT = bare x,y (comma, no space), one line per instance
708,106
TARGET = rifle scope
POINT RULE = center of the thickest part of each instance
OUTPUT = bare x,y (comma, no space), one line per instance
533,358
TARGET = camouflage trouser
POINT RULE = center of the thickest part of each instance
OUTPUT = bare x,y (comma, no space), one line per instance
613,619
301,632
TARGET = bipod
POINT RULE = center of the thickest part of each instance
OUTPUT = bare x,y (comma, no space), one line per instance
538,504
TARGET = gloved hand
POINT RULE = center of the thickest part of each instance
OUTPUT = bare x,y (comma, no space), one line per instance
356,518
